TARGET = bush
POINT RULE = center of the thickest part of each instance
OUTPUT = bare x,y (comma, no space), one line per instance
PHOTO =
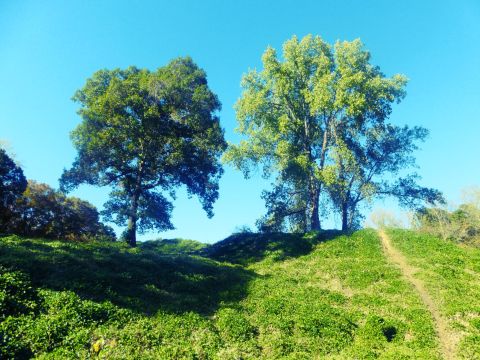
17,296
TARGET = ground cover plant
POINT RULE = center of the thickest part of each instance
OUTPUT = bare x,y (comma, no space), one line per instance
451,274
342,300
320,295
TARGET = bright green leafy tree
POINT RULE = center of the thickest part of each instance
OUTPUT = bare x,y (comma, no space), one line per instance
144,134
290,111
371,164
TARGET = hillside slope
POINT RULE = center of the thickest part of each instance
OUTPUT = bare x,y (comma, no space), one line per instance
318,296
451,274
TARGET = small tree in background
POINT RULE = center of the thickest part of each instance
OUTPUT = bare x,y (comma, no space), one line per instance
459,224
144,134
381,218
44,212
12,185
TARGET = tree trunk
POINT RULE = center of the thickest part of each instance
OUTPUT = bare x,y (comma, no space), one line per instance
352,216
131,235
314,214
345,226
132,231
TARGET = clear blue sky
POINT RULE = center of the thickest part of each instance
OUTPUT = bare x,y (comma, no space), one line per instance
49,48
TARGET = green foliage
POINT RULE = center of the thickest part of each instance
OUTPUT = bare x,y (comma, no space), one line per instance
13,343
320,295
44,212
247,248
173,246
17,296
144,134
234,326
461,225
293,113
142,280
369,164
12,184
328,304
126,302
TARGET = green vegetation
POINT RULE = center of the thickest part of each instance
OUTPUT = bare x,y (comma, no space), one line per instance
460,225
343,300
316,119
319,295
144,134
43,212
173,246
12,184
140,299
451,274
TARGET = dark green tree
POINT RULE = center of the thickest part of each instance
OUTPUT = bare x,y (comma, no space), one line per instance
12,185
45,212
286,205
144,134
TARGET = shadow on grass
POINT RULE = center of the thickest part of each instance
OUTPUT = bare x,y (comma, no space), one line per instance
247,248
142,280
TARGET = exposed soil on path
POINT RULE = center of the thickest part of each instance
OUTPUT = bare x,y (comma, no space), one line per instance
446,338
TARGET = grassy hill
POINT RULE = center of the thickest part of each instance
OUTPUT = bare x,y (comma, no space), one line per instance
318,296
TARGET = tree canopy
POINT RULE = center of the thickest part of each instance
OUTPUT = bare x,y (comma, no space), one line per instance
307,112
144,134
47,213
12,184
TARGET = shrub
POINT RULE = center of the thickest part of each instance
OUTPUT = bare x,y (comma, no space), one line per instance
17,296
13,342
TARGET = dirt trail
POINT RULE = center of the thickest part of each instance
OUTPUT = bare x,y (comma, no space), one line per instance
446,339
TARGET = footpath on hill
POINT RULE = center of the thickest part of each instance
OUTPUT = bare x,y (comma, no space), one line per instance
446,338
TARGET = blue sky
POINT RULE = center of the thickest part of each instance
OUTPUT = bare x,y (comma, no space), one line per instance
49,48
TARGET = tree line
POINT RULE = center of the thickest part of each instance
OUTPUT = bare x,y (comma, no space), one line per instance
33,209
315,120
460,223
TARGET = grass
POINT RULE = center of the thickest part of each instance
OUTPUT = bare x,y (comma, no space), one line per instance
143,280
318,296
343,300
451,274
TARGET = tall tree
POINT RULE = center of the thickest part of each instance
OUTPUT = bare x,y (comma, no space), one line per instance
371,164
12,184
289,112
144,134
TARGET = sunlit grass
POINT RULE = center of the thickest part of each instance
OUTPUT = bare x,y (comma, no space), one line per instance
316,296
451,274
